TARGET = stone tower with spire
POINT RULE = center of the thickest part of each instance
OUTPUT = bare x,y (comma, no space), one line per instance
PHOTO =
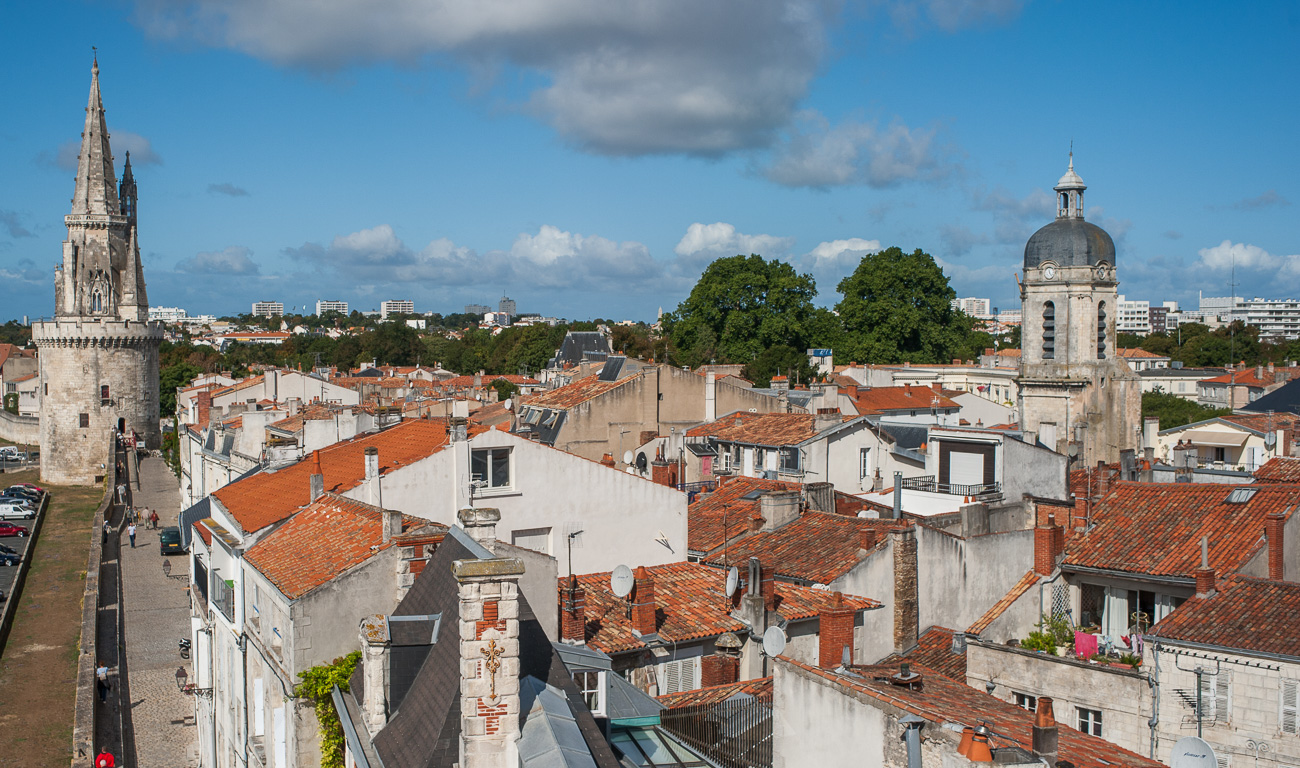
1076,393
99,355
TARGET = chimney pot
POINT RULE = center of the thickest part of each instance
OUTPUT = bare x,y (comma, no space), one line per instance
643,602
869,537
316,483
1046,735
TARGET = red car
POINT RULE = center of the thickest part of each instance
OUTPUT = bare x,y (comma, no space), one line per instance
9,529
36,488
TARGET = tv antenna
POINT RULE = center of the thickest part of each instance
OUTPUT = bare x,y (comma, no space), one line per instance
572,535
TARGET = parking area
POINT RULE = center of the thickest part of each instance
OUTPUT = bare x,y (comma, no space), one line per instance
10,572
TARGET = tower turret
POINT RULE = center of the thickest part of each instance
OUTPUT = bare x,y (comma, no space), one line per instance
126,192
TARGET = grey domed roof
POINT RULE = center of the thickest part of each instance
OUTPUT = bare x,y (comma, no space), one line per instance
1070,242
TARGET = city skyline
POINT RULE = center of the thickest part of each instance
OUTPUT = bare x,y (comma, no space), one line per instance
453,160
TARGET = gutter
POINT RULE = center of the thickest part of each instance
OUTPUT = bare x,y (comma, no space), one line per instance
1181,581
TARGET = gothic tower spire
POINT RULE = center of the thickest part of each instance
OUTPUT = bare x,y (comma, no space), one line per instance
126,192
96,191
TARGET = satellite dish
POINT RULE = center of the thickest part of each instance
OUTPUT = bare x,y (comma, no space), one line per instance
621,581
642,462
508,404
1191,752
627,457
1270,440
773,642
733,580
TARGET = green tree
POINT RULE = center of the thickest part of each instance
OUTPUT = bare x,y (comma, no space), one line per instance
1174,411
317,686
897,307
178,374
780,360
504,389
741,306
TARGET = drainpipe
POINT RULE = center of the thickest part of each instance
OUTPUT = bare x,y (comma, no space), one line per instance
912,737
1154,681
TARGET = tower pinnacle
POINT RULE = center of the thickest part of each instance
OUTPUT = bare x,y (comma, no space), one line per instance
96,190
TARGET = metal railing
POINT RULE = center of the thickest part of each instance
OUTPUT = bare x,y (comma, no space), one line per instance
705,486
733,734
929,484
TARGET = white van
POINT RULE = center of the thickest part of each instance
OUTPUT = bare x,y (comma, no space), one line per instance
13,511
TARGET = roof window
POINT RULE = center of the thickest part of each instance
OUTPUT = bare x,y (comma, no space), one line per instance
1241,495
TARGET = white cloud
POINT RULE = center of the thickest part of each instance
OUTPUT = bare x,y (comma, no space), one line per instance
1221,258
841,253
814,153
721,239
230,261
952,15
121,142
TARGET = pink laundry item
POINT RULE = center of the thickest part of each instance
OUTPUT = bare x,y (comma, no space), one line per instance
1085,644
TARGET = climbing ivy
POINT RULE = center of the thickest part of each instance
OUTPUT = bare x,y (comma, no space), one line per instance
316,686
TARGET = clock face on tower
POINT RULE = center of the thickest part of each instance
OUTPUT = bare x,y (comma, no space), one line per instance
1101,272
1049,272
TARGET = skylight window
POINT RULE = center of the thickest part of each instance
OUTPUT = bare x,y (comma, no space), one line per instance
1241,495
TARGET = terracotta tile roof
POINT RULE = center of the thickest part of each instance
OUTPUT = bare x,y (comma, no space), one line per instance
576,393
691,605
1015,593
238,386
269,497
1245,377
1008,353
761,428
1138,353
1279,469
706,517
488,379
28,377
1245,613
940,699
819,547
1156,528
203,532
934,650
759,688
327,538
1262,421
880,399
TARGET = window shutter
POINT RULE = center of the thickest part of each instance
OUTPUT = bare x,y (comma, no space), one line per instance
1221,697
1290,707
1222,760
672,677
690,674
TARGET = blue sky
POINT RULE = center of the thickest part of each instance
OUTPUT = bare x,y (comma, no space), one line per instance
589,157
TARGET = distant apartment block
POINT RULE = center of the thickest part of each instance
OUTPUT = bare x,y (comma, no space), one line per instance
477,309
1133,317
396,307
506,306
325,305
1009,316
167,314
1158,319
973,306
268,308
1275,318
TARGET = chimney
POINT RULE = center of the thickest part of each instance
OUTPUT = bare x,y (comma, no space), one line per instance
826,418
373,497
607,460
719,669
868,538
821,497
478,379
1044,550
481,525
317,480
710,397
1259,372
643,602
1046,738
767,587
1205,574
489,658
573,612
375,639
781,383
906,601
835,633
204,399
660,470
1150,432
898,495
1275,530
778,508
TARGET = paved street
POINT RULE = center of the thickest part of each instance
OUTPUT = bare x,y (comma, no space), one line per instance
157,615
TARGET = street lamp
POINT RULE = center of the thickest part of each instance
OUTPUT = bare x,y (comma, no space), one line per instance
181,686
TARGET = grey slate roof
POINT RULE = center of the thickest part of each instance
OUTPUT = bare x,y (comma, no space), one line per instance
1070,242
550,737
201,510
1284,399
624,701
583,345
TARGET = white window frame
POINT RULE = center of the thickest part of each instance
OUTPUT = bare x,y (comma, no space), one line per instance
521,538
489,488
1026,701
582,678
1216,697
864,463
1090,720
1288,705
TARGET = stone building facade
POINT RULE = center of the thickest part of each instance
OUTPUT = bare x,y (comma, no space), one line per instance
99,355
1076,393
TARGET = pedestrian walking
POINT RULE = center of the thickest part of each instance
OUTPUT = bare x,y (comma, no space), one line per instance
101,681
153,518
107,527
105,759
130,531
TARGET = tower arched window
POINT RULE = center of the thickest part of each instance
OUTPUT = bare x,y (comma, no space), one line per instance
1049,331
96,301
1101,330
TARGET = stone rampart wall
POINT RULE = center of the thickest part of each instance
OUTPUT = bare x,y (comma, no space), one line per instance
24,430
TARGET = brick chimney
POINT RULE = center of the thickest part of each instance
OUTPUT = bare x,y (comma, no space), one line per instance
1205,574
204,399
375,640
317,479
767,587
719,669
573,612
489,660
643,602
607,460
1044,550
660,473
835,633
826,418
778,508
868,538
906,600
1275,530
1046,737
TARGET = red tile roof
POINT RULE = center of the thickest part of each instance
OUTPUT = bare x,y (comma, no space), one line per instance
1279,469
819,547
707,516
1245,613
1262,422
761,428
1245,377
1138,353
488,379
934,650
940,699
759,688
1156,528
322,541
691,605
576,393
203,532
269,497
238,386
1015,593
881,399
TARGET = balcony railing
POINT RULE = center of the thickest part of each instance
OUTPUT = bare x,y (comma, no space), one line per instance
930,485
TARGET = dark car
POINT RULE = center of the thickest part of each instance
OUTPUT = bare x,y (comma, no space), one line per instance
169,541
9,529
19,490
9,558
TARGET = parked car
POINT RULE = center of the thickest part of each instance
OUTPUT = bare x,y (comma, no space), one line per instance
9,529
169,541
33,486
10,558
13,510
26,493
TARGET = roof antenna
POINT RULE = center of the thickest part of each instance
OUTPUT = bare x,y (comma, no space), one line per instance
1205,551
